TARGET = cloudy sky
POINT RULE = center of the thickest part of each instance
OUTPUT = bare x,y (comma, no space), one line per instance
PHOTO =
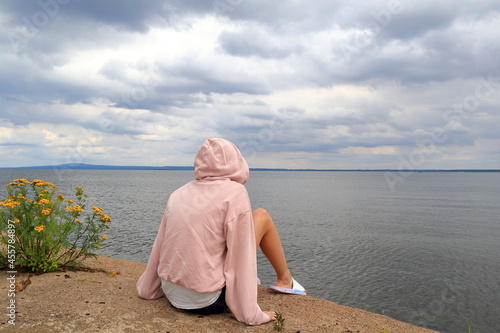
295,84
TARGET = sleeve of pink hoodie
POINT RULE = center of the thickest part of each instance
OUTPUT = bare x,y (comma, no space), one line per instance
149,284
240,271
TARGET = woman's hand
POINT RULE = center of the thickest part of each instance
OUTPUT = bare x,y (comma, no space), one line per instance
271,315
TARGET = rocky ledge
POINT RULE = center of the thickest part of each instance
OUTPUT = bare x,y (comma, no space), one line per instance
104,300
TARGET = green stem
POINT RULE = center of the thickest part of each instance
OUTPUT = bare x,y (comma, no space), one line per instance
60,238
73,246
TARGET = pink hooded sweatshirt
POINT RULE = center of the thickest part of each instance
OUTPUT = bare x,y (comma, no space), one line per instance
206,237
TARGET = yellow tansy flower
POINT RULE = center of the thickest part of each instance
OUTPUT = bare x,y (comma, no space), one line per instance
70,201
40,228
76,208
105,218
104,237
60,197
96,209
18,182
46,211
10,203
17,220
39,182
44,202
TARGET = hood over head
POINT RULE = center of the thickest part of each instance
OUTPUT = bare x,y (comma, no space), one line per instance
219,159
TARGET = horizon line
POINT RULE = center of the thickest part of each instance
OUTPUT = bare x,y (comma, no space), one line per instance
86,166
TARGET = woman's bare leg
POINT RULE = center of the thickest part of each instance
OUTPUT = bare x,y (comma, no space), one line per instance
266,236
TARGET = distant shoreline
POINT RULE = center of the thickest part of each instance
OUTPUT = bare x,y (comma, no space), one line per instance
84,166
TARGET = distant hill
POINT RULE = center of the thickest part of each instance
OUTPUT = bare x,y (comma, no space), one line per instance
84,166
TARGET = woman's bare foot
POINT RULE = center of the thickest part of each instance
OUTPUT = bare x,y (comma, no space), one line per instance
285,281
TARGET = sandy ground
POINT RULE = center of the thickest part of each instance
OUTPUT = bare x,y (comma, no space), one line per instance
97,302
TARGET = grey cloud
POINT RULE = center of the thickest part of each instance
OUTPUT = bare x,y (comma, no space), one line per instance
289,16
128,15
182,84
196,77
255,42
410,25
114,71
113,122
40,87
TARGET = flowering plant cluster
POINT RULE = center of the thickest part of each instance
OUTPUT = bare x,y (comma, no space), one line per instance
46,230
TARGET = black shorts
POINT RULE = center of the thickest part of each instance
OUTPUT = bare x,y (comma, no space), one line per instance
219,306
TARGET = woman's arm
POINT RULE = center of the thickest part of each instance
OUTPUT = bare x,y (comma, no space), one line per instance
149,284
240,270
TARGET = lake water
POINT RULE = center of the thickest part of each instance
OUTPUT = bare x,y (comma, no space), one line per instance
427,253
